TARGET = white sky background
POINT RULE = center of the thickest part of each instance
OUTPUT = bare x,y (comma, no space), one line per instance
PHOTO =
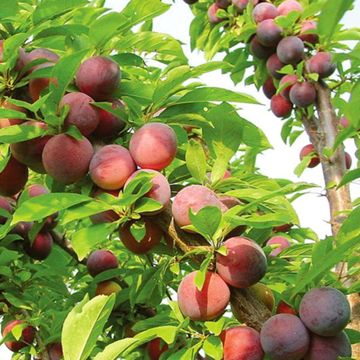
279,162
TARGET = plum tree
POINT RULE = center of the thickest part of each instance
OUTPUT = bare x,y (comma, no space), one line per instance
100,261
280,106
194,197
288,6
26,338
328,348
107,288
155,138
109,125
290,50
241,343
308,150
140,238
264,11
160,190
207,303
282,242
245,263
268,33
67,159
13,177
156,348
307,35
325,311
286,83
81,114
269,88
321,64
260,51
29,152
284,336
111,166
273,65
40,247
98,77
303,94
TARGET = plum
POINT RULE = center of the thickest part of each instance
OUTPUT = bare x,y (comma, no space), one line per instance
240,5
153,146
306,151
307,35
213,18
325,311
5,205
260,51
268,33
264,294
288,6
244,264
348,161
284,308
55,351
27,335
290,50
280,106
107,288
29,152
273,65
205,304
111,167
344,122
282,228
287,83
303,94
107,216
81,113
321,64
140,238
13,177
269,88
282,242
37,85
241,343
223,4
284,336
42,53
100,261
40,248
156,348
328,348
98,77
5,122
264,11
194,197
67,159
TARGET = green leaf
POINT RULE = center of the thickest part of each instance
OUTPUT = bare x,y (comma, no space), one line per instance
215,327
167,333
17,133
350,228
196,160
87,238
330,16
354,336
349,177
83,326
201,220
117,348
213,347
8,8
353,104
39,207
200,276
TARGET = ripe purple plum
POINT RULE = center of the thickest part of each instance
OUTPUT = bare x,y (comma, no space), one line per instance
29,152
55,351
268,33
111,166
81,113
109,125
5,205
240,5
245,263
322,64
303,94
310,150
156,348
241,343
289,80
213,18
280,106
40,248
285,308
325,311
264,11
194,197
153,146
260,51
205,304
42,53
150,235
269,88
284,336
290,50
100,261
283,228
348,161
328,348
13,177
307,35
288,6
67,159
282,242
27,336
273,65
223,4
98,77
160,190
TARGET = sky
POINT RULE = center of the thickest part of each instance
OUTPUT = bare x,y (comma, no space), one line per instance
278,162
